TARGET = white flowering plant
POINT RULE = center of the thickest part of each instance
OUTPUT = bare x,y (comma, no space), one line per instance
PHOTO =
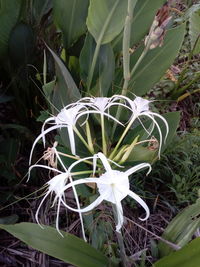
105,131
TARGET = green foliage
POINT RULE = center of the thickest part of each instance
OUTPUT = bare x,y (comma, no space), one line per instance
188,256
66,90
103,76
143,152
106,19
177,173
9,15
21,45
70,17
181,229
40,8
194,32
143,16
68,248
156,62
91,66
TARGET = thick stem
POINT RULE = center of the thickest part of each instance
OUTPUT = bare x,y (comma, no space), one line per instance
120,241
104,146
126,55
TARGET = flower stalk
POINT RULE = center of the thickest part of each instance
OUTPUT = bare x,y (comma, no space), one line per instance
104,145
120,240
126,54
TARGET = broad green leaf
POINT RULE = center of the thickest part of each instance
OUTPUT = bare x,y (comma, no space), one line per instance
181,229
70,17
143,16
69,248
40,8
9,14
156,62
173,119
188,256
106,19
104,68
194,31
65,91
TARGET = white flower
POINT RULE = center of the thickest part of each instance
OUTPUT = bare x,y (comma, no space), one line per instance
140,107
113,186
56,186
66,118
100,105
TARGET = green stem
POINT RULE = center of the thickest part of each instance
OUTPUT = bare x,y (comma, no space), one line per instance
89,137
126,57
94,60
104,146
121,138
99,42
82,139
120,241
144,52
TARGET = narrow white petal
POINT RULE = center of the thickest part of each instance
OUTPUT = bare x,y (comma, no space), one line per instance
120,218
104,161
142,203
59,159
40,166
100,112
93,205
78,206
57,218
71,139
94,164
120,166
165,122
118,104
81,181
138,167
41,136
159,131
38,209
77,162
42,130
143,125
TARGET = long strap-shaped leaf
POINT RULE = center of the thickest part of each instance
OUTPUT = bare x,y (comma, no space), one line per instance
67,91
105,21
69,248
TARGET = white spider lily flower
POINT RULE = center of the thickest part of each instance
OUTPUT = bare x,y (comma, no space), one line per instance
113,186
140,107
54,186
66,118
102,104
